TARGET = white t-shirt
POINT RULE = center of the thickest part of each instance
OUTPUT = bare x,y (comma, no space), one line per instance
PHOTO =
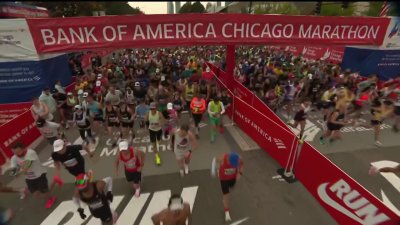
35,170
50,129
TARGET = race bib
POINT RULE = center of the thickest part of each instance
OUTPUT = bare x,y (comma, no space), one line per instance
96,205
230,171
71,163
131,164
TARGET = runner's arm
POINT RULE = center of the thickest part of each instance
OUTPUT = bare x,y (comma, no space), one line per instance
209,109
76,199
86,148
390,169
157,218
142,157
193,140
222,108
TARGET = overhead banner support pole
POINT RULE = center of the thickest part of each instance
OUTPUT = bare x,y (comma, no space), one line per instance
230,65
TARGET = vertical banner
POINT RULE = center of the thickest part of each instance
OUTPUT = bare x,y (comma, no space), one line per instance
343,198
21,128
270,136
242,92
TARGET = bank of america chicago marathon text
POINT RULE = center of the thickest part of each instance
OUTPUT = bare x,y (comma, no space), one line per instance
124,32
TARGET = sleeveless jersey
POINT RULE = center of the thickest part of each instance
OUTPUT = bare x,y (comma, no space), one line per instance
182,144
111,115
226,171
125,115
130,98
154,121
189,93
132,163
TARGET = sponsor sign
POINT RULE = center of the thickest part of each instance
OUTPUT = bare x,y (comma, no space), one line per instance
70,34
10,111
343,198
392,37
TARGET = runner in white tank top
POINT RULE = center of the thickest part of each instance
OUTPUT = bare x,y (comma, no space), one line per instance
183,142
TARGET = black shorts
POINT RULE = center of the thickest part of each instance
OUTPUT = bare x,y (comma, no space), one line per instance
197,118
104,214
326,105
226,185
376,122
112,124
39,184
155,135
397,110
98,117
134,177
300,116
130,125
333,126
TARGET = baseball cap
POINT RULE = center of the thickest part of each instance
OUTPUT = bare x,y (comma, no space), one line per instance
69,93
153,105
176,204
80,92
157,70
169,106
85,94
137,84
234,159
123,145
99,76
208,69
58,145
77,107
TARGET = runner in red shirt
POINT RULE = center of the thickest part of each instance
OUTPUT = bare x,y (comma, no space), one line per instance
133,161
230,167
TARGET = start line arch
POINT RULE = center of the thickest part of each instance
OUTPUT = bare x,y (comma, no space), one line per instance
345,200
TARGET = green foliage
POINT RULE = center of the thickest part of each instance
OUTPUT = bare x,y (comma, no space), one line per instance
283,8
374,9
70,9
328,9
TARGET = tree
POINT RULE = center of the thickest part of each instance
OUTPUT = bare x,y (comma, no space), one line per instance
282,8
335,9
196,7
70,9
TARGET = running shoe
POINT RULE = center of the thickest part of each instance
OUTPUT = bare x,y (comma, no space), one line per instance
7,215
186,168
158,159
23,193
378,144
58,181
50,202
321,141
137,193
227,216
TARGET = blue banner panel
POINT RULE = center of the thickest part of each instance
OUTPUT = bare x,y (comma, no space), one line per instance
20,81
384,63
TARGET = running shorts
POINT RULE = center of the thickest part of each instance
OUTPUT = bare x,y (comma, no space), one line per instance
134,177
130,125
214,121
39,184
155,135
226,185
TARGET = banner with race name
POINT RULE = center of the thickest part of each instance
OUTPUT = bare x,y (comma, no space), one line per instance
83,33
10,111
342,197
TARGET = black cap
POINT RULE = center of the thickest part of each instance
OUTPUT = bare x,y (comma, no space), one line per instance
40,122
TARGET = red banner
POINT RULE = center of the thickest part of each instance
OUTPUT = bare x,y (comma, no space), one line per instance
21,128
242,92
269,135
345,200
331,54
82,33
10,111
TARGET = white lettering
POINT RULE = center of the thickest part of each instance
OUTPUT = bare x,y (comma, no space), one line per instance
195,30
120,31
113,33
305,34
210,31
340,187
138,32
252,30
108,152
180,29
168,31
156,35
74,35
325,31
265,32
224,30
288,30
48,34
236,30
89,35
316,32
369,213
373,32
62,37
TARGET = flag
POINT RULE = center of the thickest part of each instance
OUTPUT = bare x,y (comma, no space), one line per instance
385,9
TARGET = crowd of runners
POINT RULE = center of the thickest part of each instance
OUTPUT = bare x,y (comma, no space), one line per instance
133,91
147,90
292,86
